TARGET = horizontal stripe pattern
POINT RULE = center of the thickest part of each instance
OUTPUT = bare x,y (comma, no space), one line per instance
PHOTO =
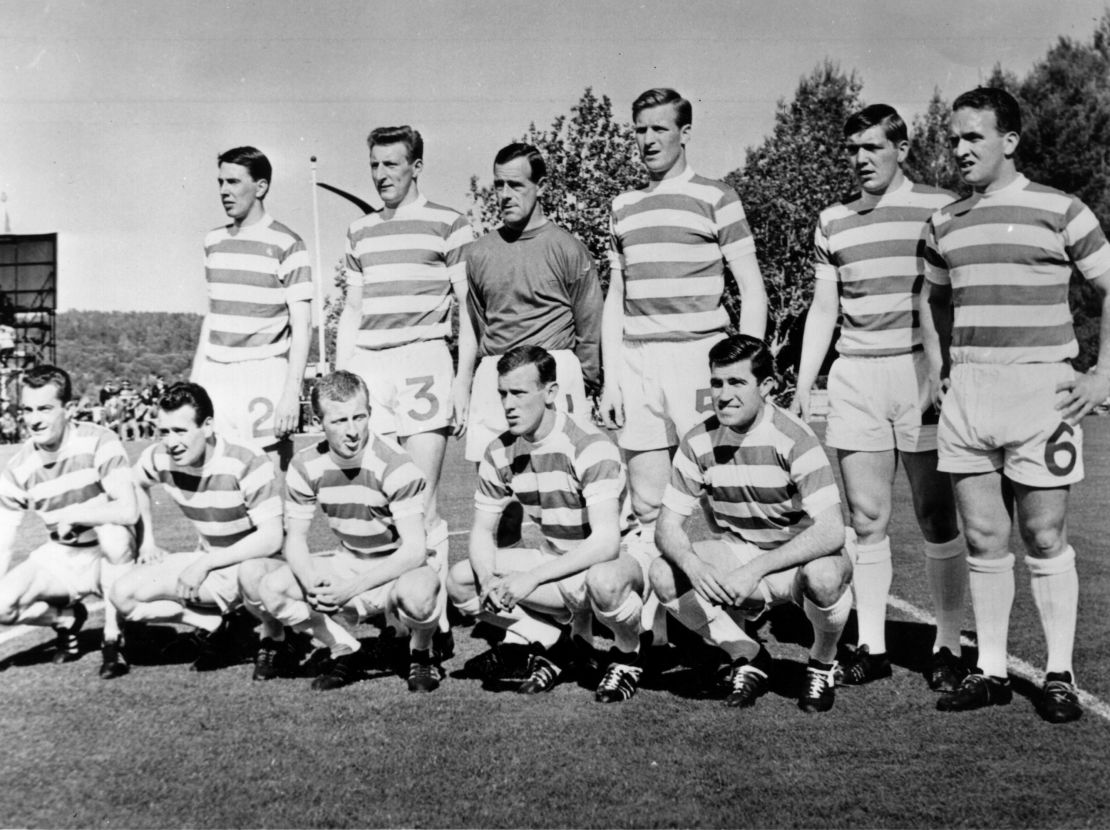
406,265
253,274
555,479
671,243
75,475
361,500
873,248
764,486
1008,257
226,498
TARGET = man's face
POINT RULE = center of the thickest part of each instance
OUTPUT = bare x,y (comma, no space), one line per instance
239,192
737,396
980,149
524,399
516,193
875,158
393,173
346,425
184,440
660,139
44,415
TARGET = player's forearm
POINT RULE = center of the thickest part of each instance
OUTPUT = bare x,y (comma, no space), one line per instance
1102,367
263,542
612,332
199,355
824,537
940,311
674,543
104,512
146,516
8,533
596,548
588,314
816,337
483,551
298,350
468,348
753,295
346,334
387,568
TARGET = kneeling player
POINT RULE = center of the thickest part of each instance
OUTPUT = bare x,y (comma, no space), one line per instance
769,487
75,476
569,478
229,492
373,497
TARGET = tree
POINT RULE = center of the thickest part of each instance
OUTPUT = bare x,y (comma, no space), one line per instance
785,182
930,160
590,159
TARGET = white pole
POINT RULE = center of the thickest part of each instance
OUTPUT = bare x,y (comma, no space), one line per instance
322,364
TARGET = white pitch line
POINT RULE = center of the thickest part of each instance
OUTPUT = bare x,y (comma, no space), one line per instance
1016,665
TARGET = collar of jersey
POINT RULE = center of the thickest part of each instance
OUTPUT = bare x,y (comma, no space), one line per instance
251,229
676,182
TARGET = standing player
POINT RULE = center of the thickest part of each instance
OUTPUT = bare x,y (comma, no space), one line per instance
373,497
254,341
998,265
867,258
229,492
76,477
403,264
570,480
531,283
671,243
768,485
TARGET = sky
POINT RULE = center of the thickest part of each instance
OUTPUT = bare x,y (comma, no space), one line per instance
112,112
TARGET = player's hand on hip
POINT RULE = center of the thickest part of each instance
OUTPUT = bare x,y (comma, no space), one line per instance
1083,393
612,407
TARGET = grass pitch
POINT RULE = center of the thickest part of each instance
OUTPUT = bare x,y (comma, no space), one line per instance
164,747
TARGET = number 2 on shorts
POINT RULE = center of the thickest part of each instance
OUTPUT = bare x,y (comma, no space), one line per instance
262,426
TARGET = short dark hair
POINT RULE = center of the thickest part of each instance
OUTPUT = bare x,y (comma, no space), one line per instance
519,150
1006,109
660,95
883,114
47,375
414,144
187,393
528,355
251,158
340,385
738,347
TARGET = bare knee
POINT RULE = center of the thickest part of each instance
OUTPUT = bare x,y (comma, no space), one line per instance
1043,537
869,520
608,584
663,580
251,574
824,580
417,592
460,582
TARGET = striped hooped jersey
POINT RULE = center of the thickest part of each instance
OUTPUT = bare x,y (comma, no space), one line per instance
873,247
253,274
670,242
74,475
406,265
233,492
1008,256
764,486
361,498
556,479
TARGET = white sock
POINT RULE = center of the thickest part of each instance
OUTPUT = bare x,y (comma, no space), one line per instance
41,612
1055,584
946,570
828,624
335,637
520,626
438,540
624,622
871,580
714,625
271,628
420,631
991,584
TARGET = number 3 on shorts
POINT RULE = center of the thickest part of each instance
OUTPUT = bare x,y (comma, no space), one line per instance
1058,448
424,393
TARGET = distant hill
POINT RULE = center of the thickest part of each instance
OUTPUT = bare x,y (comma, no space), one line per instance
97,346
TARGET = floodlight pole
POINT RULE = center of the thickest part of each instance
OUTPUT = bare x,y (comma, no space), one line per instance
322,363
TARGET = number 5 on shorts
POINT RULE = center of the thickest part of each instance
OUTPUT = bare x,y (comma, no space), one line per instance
1059,445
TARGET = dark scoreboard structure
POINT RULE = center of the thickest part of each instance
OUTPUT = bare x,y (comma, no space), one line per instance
28,298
